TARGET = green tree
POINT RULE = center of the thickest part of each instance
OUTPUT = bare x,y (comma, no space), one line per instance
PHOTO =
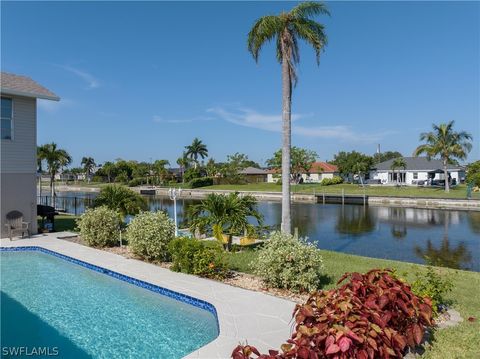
120,199
212,168
225,214
160,169
398,162
195,150
473,173
40,158
287,29
444,142
56,159
352,163
183,162
88,164
301,161
231,170
108,170
385,156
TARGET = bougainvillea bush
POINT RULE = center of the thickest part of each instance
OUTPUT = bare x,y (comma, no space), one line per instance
373,315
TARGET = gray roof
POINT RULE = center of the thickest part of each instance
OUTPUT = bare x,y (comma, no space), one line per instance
12,84
253,171
416,164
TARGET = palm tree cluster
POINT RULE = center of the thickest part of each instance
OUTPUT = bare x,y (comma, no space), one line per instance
195,150
286,29
121,199
225,214
56,159
88,164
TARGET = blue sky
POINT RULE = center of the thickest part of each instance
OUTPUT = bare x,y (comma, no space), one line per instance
141,80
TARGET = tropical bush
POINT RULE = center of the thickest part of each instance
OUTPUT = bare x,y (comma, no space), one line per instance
373,315
99,227
137,182
289,262
149,234
331,181
473,173
191,174
435,285
120,199
200,182
192,256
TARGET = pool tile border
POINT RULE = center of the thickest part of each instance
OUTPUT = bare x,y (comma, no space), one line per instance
199,303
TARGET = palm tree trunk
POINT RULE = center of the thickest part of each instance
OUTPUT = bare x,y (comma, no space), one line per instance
445,173
286,143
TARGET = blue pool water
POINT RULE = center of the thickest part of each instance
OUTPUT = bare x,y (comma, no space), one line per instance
48,302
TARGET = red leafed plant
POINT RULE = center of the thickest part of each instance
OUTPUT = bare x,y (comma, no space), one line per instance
373,315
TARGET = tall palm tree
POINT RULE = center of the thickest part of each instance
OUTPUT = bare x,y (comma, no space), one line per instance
121,199
40,159
225,214
88,164
195,150
444,142
286,28
398,162
55,158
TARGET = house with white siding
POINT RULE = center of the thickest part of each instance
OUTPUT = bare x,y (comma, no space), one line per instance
18,171
318,171
418,171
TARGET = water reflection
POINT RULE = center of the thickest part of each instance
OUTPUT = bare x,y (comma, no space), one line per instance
448,238
446,255
354,220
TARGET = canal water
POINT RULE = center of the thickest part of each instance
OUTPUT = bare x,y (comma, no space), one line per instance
448,238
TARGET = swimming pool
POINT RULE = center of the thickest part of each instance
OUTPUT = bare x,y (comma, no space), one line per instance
54,302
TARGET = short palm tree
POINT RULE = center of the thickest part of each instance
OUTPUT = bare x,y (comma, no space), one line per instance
88,164
398,162
286,29
55,158
225,214
195,150
121,199
183,162
444,142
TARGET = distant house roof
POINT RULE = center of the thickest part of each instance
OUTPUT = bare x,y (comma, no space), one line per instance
253,171
24,86
416,164
317,167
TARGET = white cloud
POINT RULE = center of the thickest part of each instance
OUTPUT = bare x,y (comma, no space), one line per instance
91,81
251,118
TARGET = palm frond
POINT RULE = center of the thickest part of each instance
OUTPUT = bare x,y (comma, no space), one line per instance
308,9
264,30
313,33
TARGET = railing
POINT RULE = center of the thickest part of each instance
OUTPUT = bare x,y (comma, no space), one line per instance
67,204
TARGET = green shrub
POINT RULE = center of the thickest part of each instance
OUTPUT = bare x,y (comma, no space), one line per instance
289,262
200,182
331,181
137,182
192,256
433,284
149,234
191,174
473,173
99,227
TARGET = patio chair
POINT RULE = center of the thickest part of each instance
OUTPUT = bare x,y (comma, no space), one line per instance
15,224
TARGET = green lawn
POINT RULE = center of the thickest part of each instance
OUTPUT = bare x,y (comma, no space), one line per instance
457,342
459,191
63,223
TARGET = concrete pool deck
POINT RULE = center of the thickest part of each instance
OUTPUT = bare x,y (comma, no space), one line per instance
243,315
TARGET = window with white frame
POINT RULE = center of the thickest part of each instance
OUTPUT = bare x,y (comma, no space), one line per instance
7,115
415,175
